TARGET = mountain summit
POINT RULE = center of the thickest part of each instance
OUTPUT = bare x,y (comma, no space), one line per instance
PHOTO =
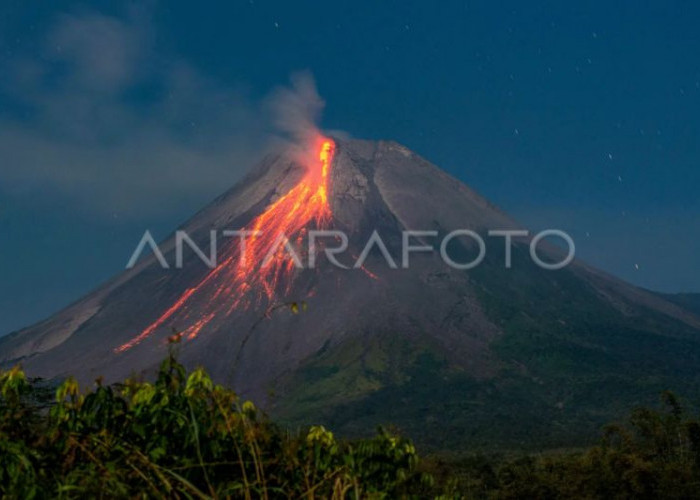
489,355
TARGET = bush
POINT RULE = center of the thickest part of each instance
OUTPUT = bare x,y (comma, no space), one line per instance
185,437
182,437
656,454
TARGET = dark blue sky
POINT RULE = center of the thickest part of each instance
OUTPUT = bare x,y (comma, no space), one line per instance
117,119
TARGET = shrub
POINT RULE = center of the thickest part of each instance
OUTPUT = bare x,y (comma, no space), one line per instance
182,437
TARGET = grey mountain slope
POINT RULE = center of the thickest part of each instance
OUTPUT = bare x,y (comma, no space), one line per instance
688,301
366,191
55,330
483,326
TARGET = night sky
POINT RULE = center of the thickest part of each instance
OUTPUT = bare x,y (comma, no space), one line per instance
116,118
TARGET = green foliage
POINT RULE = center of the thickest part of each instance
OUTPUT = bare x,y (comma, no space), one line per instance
655,455
183,437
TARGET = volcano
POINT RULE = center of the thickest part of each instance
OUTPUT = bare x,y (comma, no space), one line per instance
489,356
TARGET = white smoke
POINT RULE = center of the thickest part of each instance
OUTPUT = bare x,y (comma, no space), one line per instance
296,109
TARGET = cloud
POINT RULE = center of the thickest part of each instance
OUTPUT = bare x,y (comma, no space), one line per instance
107,123
103,52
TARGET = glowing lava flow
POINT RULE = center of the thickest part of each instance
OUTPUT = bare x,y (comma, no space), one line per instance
241,274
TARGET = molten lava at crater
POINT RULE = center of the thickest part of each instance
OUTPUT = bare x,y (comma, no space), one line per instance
243,277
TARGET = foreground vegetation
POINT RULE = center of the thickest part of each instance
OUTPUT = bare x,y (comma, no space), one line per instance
655,455
181,437
185,437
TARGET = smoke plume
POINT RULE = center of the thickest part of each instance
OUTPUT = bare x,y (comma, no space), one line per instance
295,111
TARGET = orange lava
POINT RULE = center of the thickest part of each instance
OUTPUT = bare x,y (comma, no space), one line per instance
265,268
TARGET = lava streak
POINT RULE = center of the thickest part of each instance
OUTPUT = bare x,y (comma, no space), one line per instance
257,267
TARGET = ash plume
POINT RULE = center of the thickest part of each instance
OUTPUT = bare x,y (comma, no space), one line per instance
295,111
